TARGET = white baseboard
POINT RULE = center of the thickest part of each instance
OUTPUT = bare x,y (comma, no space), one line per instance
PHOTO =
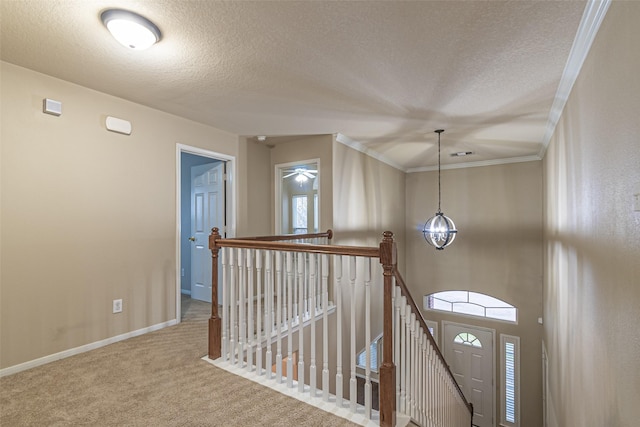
330,406
82,349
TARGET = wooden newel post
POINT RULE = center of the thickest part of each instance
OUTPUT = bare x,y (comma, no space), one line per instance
388,369
215,336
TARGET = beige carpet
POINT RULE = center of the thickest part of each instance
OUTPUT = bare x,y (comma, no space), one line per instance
157,379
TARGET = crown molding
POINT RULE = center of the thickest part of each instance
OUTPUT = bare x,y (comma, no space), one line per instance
477,164
592,17
345,140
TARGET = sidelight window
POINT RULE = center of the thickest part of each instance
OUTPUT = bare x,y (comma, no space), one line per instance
510,390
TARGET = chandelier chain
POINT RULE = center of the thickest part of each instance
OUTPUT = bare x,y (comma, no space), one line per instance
439,131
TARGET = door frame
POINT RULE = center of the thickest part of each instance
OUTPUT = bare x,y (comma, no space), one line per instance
278,192
493,356
230,202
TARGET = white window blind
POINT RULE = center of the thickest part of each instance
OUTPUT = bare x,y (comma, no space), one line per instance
510,384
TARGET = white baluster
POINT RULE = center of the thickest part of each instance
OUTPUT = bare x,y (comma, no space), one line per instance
307,285
225,305
449,395
397,352
367,337
441,392
296,290
325,326
289,320
283,318
438,391
403,356
428,404
338,293
279,317
423,376
407,362
433,386
414,365
353,392
445,406
268,313
241,305
301,281
259,314
233,305
250,286
312,313
420,376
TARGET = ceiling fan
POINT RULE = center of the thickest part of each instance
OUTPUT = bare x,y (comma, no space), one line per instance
301,174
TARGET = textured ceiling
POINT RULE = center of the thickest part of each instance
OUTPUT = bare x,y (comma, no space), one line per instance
384,75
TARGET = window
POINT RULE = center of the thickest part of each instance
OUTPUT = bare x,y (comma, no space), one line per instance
316,227
376,347
510,390
466,338
472,304
299,214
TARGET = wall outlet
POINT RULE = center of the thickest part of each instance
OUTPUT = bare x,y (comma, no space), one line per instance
117,306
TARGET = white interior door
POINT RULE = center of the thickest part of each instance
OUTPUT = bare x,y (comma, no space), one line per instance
207,211
469,353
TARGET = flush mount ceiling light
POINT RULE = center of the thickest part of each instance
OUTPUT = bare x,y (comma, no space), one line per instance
439,231
130,29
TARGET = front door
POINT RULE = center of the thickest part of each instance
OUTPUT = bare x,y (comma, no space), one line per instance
469,353
207,211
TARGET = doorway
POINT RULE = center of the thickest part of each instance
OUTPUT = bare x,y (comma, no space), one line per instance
470,353
204,200
207,206
297,197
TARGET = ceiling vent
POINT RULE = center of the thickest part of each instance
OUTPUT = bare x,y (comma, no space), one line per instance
462,153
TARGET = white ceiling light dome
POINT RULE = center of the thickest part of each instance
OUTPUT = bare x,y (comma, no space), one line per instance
130,29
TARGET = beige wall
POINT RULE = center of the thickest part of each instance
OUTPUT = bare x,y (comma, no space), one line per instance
592,236
498,251
368,199
307,148
255,216
88,215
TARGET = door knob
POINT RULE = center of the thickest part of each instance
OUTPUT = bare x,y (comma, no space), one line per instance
193,239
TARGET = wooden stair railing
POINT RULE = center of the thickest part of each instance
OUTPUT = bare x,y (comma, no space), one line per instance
418,406
291,237
287,267
215,243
